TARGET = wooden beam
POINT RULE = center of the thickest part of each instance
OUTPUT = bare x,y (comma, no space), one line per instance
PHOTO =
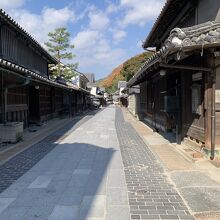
183,67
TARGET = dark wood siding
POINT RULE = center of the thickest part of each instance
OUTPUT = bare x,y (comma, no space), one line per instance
143,98
45,102
58,100
17,50
217,133
217,105
193,123
17,108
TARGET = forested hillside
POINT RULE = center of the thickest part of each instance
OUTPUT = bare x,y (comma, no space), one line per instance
124,71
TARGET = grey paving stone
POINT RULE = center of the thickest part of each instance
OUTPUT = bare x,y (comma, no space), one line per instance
16,213
40,182
78,180
14,168
27,198
117,213
82,171
202,199
92,207
95,187
72,196
13,191
116,180
169,217
192,178
64,213
155,139
4,203
117,196
150,217
37,212
90,132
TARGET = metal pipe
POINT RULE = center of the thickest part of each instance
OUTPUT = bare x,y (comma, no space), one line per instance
213,117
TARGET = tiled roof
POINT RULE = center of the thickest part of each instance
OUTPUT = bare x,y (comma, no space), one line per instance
199,36
6,65
15,25
202,34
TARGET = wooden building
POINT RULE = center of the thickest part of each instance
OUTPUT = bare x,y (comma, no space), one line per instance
26,92
179,84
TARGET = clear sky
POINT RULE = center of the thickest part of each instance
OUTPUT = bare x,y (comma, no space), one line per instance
105,32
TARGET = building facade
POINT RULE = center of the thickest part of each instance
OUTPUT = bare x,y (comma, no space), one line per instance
27,94
179,83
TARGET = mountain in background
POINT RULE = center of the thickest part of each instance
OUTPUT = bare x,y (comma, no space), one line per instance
125,71
110,83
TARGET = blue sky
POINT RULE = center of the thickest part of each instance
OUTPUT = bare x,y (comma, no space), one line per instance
105,32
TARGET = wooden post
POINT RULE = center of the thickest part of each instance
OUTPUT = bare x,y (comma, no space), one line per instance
179,112
5,105
213,120
2,96
208,106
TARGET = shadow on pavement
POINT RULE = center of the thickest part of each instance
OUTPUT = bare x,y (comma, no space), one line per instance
18,165
68,183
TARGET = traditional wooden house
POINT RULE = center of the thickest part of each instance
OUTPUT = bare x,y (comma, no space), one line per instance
179,84
83,95
27,93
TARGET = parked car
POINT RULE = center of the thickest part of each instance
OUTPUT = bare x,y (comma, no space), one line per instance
96,103
109,101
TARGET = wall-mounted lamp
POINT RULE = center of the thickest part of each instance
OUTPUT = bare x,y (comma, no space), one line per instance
163,72
37,87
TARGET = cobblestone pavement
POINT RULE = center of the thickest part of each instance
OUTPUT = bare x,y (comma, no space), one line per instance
14,168
151,194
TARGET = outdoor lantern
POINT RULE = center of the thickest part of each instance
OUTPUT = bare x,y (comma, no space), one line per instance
163,72
37,87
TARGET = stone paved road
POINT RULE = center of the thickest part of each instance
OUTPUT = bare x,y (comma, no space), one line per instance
151,194
14,168
90,176
82,177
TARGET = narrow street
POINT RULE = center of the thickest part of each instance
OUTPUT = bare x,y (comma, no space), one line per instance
99,169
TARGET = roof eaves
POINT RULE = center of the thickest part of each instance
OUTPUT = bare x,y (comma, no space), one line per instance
20,69
146,67
15,25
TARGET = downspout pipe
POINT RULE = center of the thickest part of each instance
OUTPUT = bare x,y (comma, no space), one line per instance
213,124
